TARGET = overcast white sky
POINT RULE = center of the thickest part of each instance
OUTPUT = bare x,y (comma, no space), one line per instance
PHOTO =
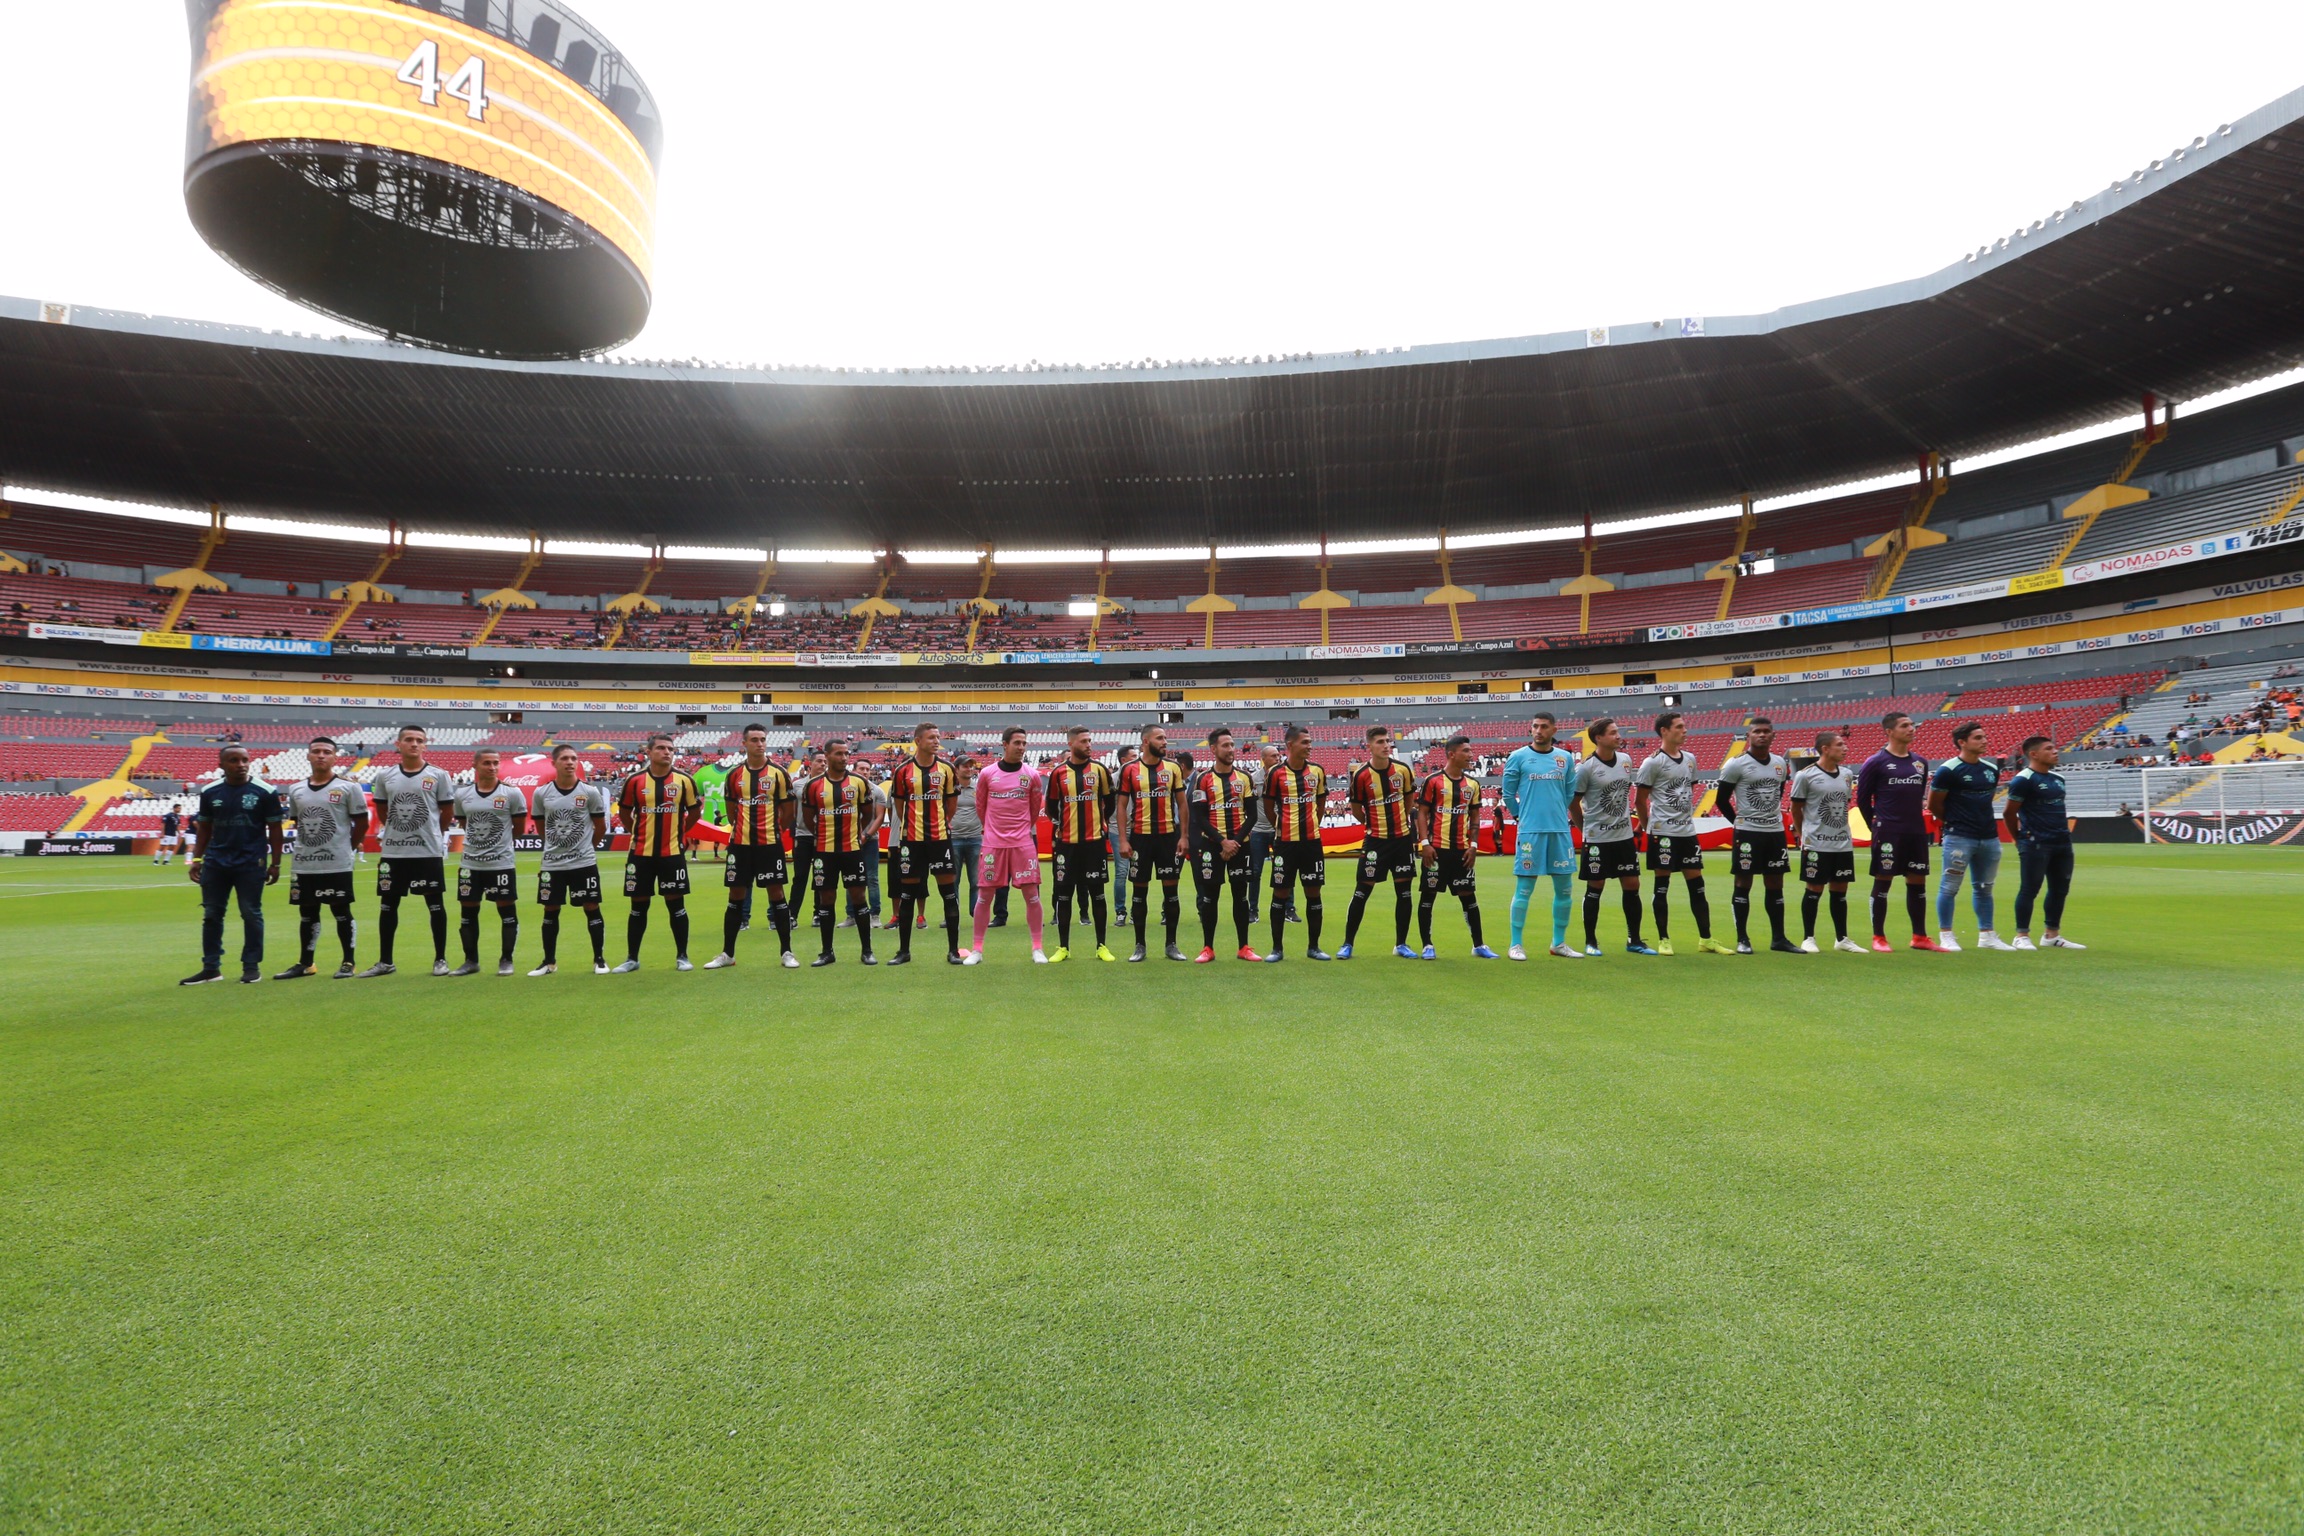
904,183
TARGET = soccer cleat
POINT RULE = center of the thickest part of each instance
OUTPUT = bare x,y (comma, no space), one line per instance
1663,947
1104,953
2058,941
848,922
720,962
2023,941
1059,955
624,968
1039,957
1274,958
901,957
1343,951
1430,953
1849,947
791,961
1712,947
506,968
546,969
822,959
250,977
345,972
869,959
1948,945
1317,953
683,963
1406,952
1592,952
1881,946
1743,946
1482,952
1207,955
1990,940
1177,954
440,967
1516,952
468,968
1566,952
1782,947
1635,947
1808,946
599,967
971,957
1136,955
1247,952
1923,942
295,973
380,968
922,920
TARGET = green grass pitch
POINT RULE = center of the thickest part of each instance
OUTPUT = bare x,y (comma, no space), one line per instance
1918,1243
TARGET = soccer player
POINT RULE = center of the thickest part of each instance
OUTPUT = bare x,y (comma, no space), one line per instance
1960,797
237,816
1223,813
759,798
1665,804
1149,829
658,806
2036,819
1116,843
1602,806
1892,797
171,825
1448,840
1009,795
1295,790
331,816
923,792
804,835
1752,794
1821,794
1382,794
840,814
1539,781
493,813
1080,796
572,818
417,802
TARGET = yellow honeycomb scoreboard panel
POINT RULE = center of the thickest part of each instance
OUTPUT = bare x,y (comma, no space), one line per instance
359,72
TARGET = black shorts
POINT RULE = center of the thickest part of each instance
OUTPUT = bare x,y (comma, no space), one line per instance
832,869
1899,855
1158,855
1822,868
410,877
1611,861
1667,854
569,887
1383,858
1079,866
916,861
1211,868
1304,858
1451,870
319,889
487,884
646,876
1761,853
751,864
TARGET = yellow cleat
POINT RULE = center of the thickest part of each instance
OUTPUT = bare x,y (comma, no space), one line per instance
1712,947
1663,946
1103,953
1058,955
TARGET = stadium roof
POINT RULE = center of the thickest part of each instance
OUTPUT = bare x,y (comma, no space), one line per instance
2180,280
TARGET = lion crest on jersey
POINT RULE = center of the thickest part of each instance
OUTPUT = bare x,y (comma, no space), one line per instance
484,836
407,818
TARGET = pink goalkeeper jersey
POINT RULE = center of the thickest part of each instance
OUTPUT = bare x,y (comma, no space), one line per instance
1008,803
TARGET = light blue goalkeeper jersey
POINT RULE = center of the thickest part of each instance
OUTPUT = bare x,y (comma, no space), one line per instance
1538,787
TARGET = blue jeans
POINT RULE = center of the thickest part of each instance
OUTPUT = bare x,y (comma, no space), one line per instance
218,887
872,875
969,852
1979,859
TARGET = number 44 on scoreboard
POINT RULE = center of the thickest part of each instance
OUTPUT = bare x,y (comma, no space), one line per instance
468,85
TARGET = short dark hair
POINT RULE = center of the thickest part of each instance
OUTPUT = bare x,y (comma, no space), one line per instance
228,749
925,725
2037,741
1010,733
1825,739
659,736
1888,720
1456,741
1220,731
1965,729
1543,714
1077,730
481,752
1600,725
563,747
419,730
1143,731
1295,733
1759,720
1375,731
1664,720
321,741
754,726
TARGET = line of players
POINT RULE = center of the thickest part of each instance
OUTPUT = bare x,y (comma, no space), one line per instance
1153,813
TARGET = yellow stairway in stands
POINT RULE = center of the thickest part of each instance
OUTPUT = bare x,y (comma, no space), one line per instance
94,797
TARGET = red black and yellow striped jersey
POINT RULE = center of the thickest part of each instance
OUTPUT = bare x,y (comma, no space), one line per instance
756,799
1294,796
1451,810
652,807
1079,800
837,807
1230,796
1155,787
1382,797
916,799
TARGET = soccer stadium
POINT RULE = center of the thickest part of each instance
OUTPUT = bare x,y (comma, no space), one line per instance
1691,924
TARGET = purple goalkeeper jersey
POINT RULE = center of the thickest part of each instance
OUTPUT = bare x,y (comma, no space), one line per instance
1892,795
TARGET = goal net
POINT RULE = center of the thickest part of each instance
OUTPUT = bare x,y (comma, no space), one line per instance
2244,803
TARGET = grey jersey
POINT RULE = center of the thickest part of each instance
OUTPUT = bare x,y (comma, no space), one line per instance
323,815
1823,799
1759,790
1671,786
409,805
1607,792
491,821
566,822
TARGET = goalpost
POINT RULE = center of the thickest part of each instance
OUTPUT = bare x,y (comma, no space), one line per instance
2236,803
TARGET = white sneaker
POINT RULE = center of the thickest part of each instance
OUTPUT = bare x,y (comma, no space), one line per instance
1947,943
623,967
440,968
1038,958
719,962
599,967
2058,941
546,969
506,968
1851,947
1516,953
1566,952
683,963
1990,940
971,957
1808,947
2024,942
791,961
